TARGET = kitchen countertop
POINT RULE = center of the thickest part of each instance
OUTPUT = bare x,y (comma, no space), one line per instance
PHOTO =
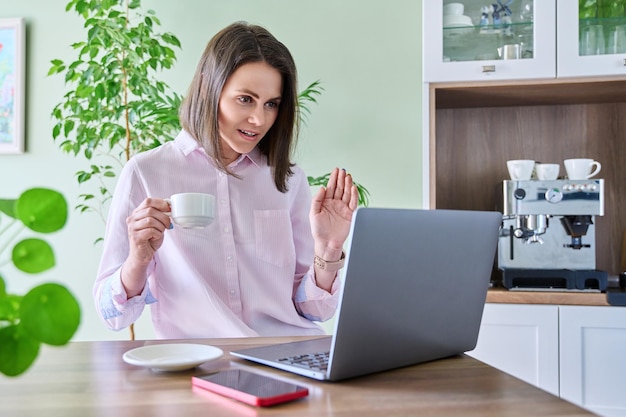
502,295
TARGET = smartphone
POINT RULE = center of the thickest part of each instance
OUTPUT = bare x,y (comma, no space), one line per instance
250,388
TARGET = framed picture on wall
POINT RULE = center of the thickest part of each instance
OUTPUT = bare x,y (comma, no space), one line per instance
12,86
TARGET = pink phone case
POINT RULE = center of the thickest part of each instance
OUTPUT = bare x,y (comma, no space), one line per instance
287,392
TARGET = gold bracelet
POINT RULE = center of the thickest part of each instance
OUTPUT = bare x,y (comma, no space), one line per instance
330,266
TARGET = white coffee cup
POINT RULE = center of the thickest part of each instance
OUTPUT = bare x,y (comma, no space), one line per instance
192,210
547,171
520,169
581,168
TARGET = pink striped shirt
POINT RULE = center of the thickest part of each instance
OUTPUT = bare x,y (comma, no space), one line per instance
248,273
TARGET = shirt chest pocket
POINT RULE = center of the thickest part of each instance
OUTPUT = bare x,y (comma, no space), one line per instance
273,237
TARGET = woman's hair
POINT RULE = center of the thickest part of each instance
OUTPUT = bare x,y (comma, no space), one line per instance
238,44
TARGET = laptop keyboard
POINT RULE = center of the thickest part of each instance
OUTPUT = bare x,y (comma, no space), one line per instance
315,361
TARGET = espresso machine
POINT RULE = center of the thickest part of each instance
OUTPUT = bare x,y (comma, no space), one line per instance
547,240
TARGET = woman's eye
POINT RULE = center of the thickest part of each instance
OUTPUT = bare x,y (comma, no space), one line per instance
272,104
245,99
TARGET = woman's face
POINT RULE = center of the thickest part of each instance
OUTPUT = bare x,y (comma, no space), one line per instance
248,108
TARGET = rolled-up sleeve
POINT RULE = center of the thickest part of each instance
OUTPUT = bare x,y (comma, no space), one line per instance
315,303
116,309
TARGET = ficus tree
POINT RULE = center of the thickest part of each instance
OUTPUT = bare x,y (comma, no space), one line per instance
115,105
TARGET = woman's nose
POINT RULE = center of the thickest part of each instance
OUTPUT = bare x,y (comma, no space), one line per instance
257,116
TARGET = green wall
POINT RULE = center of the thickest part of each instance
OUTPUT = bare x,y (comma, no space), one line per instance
368,120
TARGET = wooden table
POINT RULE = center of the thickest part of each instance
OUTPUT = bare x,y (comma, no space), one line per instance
87,379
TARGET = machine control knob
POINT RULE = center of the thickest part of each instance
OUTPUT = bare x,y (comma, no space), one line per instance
554,195
519,193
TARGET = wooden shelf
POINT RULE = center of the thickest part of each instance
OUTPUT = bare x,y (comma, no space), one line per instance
501,295
530,93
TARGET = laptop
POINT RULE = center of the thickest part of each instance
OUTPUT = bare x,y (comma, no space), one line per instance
413,290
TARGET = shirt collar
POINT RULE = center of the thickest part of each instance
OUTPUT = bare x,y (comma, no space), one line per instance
188,144
255,156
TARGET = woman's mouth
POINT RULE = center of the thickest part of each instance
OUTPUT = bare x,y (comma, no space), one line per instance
248,134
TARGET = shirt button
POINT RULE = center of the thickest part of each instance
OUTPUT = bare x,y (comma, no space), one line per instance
229,258
226,229
224,201
232,292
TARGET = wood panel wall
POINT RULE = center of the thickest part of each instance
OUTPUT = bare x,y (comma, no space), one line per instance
472,146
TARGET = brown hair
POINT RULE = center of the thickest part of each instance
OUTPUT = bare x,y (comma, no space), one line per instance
238,44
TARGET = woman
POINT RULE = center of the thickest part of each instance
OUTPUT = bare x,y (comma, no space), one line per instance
267,264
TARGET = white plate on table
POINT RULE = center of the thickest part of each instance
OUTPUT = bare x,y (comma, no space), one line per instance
172,356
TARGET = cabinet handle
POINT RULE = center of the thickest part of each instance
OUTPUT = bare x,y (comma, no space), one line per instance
492,68
625,62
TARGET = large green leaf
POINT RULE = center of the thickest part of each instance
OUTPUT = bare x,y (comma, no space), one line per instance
7,207
17,352
42,210
33,256
50,313
9,308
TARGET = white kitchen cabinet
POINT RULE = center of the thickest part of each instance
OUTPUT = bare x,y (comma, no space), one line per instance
593,358
575,352
572,61
551,43
521,340
453,52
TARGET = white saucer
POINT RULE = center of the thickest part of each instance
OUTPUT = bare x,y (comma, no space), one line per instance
193,222
172,356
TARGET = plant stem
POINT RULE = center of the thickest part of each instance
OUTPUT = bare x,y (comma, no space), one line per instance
125,89
12,238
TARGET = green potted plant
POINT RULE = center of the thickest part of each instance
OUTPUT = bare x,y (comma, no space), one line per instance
48,313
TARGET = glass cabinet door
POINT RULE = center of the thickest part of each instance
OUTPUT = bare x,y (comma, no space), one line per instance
591,37
488,39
